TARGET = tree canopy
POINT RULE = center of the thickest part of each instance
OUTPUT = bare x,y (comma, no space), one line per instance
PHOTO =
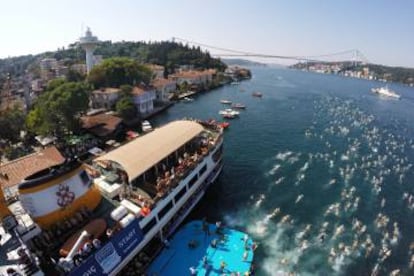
114,72
126,108
57,111
11,123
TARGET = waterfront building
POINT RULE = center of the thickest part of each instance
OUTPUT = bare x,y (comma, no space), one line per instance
163,89
143,98
157,70
104,98
193,77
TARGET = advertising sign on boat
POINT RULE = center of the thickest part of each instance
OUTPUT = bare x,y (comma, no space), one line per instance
107,258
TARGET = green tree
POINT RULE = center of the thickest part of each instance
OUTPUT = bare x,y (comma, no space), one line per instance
57,112
126,108
52,84
114,72
126,90
11,123
75,76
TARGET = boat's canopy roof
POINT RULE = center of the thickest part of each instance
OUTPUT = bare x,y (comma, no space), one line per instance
141,154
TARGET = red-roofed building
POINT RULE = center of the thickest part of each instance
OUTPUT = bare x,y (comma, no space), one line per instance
102,125
15,171
192,77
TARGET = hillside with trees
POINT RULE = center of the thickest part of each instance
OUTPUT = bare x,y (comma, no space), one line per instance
171,55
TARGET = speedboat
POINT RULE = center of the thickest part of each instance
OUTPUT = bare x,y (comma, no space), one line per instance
257,94
385,91
238,106
146,126
225,101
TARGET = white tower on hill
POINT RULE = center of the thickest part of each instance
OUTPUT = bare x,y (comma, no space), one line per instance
89,44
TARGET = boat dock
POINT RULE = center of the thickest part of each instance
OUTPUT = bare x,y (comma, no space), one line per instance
199,249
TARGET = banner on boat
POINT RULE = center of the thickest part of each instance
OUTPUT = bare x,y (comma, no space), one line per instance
107,258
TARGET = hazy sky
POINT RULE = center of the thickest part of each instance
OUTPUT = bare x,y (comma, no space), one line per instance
382,30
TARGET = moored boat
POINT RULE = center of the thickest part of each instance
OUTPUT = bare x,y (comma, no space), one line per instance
238,106
225,101
257,94
229,113
187,100
146,126
205,249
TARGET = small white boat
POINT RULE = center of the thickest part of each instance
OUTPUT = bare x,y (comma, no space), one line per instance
146,126
229,113
188,99
238,106
225,101
385,91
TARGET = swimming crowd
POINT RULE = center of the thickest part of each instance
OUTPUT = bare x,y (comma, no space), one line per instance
364,160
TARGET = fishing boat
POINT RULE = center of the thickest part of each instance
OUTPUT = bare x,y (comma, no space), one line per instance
225,101
200,248
238,106
257,94
385,91
146,126
93,218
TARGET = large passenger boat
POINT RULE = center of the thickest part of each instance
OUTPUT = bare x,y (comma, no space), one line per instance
93,218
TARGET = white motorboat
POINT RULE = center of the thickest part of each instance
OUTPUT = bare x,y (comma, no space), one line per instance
229,111
385,91
225,101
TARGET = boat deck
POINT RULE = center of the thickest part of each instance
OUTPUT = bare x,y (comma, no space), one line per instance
179,256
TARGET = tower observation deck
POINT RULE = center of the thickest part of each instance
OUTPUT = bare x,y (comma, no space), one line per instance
89,44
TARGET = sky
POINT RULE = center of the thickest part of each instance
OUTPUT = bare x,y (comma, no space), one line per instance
382,30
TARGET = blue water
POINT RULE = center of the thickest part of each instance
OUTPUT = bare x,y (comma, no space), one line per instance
319,172
178,257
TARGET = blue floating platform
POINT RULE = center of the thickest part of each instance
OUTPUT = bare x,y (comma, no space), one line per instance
192,247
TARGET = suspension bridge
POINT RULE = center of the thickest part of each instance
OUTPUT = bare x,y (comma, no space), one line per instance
353,55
